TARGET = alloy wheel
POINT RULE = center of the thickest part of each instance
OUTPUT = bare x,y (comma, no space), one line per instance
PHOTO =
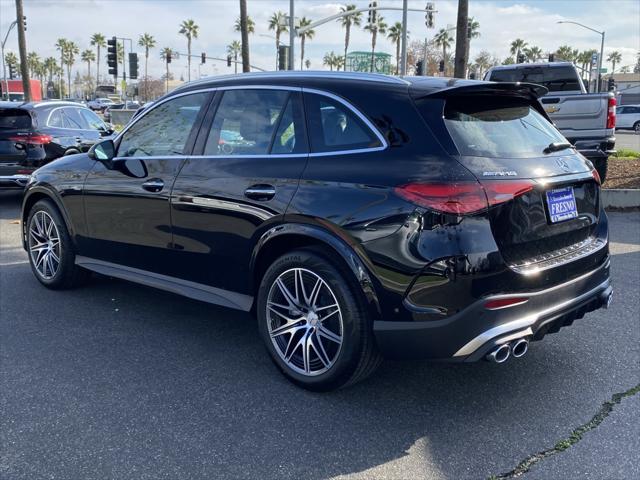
304,321
44,244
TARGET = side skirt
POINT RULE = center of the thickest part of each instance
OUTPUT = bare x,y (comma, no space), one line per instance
194,290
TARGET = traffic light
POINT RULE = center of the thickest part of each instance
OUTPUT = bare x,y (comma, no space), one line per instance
611,84
521,58
133,66
552,57
373,14
428,17
112,56
168,56
203,58
24,22
469,30
228,60
420,68
472,76
283,57
12,72
441,66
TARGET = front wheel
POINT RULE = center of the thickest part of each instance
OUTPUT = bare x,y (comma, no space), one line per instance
636,127
314,323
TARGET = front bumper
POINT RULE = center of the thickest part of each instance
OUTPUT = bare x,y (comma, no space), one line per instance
17,181
471,333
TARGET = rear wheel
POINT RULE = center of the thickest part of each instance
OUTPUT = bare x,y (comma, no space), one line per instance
51,253
313,322
636,127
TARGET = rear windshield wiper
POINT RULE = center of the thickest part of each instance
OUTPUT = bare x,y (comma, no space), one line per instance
557,146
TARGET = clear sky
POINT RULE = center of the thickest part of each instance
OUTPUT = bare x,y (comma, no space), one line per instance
501,21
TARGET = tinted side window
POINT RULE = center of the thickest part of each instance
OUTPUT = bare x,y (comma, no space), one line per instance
334,127
94,122
56,120
255,122
164,130
74,120
14,119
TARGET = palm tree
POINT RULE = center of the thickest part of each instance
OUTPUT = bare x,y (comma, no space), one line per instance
11,60
330,60
148,42
98,41
375,26
120,54
88,56
347,22
309,34
532,54
61,44
517,46
189,29
277,22
50,65
251,25
245,26
444,40
483,61
166,53
395,35
33,62
565,52
234,49
70,53
614,57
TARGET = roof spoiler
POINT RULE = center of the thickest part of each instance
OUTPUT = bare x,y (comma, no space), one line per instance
515,89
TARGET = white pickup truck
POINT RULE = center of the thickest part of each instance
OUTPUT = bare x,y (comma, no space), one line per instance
587,120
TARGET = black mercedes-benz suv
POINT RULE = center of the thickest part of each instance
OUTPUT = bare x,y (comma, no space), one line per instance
358,216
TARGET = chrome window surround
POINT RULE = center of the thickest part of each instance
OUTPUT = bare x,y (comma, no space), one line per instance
354,110
65,128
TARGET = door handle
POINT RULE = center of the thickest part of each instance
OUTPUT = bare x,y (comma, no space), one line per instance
153,185
260,192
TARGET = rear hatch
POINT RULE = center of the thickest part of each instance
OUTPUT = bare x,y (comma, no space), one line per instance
543,197
15,125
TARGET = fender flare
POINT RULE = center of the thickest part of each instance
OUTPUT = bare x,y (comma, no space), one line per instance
352,255
51,194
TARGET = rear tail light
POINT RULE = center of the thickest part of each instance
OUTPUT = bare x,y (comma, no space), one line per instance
505,303
32,138
463,198
596,176
611,113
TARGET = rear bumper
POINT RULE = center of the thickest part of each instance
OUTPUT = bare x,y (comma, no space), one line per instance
17,181
471,333
596,148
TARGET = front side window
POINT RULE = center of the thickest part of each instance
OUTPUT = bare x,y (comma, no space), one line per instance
73,119
494,127
93,121
334,127
164,130
255,122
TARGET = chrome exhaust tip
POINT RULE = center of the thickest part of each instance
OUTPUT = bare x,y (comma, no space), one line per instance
519,348
500,354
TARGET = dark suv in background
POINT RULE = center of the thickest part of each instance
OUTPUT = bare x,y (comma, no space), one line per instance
32,134
356,215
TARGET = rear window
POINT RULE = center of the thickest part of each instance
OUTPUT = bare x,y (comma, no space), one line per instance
556,79
490,127
14,119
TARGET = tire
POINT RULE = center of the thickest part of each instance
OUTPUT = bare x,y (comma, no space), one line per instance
48,239
636,127
330,365
601,165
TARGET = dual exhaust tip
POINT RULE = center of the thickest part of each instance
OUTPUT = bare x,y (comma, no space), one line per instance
501,353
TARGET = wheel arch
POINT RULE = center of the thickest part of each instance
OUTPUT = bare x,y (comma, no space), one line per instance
283,238
33,196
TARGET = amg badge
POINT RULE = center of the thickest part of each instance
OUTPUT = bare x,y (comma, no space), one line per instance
504,173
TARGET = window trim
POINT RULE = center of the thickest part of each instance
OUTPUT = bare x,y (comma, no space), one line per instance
213,102
66,128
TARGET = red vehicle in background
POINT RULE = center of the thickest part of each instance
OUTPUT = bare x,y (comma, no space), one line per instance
16,91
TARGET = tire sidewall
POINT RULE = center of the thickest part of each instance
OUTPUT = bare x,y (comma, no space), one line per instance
66,254
353,321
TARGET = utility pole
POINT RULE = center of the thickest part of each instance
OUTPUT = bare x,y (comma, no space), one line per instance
403,56
246,66
22,47
462,53
292,33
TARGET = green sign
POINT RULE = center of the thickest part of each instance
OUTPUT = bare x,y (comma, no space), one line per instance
603,70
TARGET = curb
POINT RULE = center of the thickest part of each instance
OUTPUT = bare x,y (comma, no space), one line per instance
621,199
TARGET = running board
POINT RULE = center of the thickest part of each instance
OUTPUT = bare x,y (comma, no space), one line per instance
194,290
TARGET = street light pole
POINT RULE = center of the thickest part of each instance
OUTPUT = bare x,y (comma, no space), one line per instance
599,77
403,57
292,33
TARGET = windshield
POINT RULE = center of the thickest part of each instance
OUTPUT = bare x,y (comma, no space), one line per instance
556,79
490,127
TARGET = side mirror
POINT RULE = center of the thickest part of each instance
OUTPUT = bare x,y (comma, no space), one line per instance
103,151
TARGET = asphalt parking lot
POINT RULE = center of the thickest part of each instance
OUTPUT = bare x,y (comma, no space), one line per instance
628,140
115,380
